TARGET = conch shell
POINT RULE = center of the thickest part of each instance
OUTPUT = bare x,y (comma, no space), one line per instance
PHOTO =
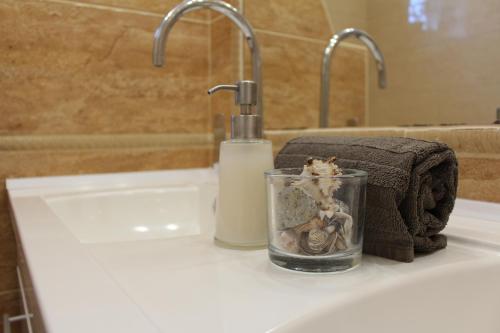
321,189
317,240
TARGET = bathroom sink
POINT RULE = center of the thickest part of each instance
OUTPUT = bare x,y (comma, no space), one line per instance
181,206
463,298
134,252
133,214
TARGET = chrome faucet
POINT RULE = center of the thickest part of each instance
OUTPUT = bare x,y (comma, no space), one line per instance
325,66
163,30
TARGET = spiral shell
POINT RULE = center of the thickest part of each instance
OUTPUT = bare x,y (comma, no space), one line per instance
314,242
317,240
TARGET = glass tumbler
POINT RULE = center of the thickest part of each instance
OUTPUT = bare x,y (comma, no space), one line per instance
316,222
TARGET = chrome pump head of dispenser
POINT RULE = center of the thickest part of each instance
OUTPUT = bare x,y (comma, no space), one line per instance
246,125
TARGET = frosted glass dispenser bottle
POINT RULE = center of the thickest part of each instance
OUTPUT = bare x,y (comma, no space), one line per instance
241,213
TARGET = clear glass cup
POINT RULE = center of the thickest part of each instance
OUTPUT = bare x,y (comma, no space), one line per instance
315,223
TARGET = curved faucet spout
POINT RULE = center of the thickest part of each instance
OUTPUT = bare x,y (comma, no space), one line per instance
325,66
163,30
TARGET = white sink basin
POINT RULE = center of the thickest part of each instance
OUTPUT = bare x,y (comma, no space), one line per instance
135,214
458,299
135,253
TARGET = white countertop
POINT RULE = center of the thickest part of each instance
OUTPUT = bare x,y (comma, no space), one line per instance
188,284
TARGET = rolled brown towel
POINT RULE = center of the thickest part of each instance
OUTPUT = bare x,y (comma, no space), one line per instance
412,186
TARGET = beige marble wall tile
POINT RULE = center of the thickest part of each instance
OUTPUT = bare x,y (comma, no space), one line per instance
347,87
291,44
346,14
479,140
102,141
158,7
479,178
153,6
238,4
70,69
304,18
225,53
291,75
438,68
60,162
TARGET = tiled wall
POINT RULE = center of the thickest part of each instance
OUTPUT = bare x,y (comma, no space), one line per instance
71,68
442,58
84,67
345,14
292,37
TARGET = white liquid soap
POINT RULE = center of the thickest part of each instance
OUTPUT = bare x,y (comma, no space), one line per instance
241,213
241,216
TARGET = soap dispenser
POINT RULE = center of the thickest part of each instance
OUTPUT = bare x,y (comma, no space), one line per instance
241,213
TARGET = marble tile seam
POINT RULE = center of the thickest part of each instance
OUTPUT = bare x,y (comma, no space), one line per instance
307,39
79,141
125,10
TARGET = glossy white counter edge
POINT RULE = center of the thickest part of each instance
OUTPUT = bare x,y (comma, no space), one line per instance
46,244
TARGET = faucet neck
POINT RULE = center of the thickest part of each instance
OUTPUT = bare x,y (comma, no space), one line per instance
325,66
163,30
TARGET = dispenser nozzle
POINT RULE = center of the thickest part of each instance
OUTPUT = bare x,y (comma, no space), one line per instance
222,87
245,96
246,125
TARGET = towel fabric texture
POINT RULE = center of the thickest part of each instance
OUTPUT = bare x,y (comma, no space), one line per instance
411,191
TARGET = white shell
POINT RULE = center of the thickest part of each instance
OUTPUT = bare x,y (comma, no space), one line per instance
321,189
289,241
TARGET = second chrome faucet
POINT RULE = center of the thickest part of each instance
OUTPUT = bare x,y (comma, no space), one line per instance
325,67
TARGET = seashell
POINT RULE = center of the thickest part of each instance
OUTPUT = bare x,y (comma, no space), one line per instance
317,240
289,241
314,223
319,236
321,189
294,207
